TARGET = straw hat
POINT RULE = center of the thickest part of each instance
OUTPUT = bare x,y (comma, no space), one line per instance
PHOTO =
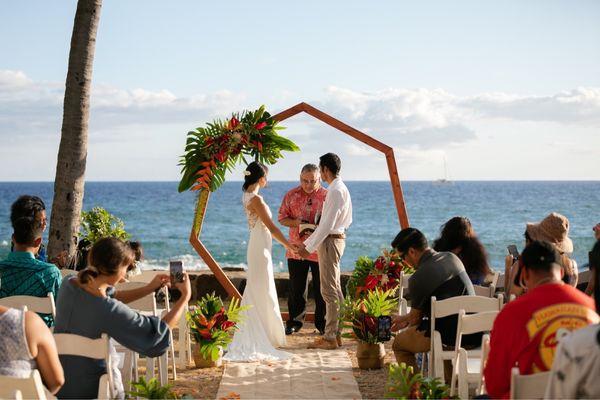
554,229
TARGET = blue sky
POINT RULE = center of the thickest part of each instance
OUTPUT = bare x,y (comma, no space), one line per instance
502,90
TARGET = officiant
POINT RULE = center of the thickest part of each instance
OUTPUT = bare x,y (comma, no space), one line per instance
300,211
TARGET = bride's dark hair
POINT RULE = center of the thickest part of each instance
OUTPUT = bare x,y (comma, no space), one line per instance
254,171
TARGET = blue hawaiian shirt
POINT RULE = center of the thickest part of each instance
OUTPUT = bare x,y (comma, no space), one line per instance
21,274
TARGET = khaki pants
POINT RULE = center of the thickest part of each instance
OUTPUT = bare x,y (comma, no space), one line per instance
330,252
409,342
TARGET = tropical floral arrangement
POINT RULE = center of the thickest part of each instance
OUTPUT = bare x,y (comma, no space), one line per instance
383,273
219,146
403,383
212,326
361,315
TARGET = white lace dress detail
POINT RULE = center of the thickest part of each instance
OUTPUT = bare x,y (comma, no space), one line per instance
262,330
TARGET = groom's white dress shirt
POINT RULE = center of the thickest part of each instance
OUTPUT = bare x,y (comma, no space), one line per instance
336,216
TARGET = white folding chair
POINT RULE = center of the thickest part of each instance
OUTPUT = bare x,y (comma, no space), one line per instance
146,305
403,284
528,386
451,306
41,305
98,349
29,388
467,369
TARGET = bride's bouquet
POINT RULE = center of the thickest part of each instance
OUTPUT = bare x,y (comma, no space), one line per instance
212,325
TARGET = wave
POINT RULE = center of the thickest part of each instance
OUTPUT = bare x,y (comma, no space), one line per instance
194,263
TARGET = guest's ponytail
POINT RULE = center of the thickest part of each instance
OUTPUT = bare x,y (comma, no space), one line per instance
254,171
106,257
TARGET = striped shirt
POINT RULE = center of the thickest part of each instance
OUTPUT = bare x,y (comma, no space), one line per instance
21,274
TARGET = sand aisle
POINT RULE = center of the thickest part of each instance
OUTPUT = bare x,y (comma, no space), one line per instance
309,374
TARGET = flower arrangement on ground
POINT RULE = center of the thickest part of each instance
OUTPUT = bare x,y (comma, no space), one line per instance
383,273
403,383
212,325
366,317
362,315
219,146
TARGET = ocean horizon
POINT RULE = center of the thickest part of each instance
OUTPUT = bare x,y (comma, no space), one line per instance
160,217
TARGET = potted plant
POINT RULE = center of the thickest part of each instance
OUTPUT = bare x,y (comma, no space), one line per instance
403,383
383,273
212,327
151,389
363,316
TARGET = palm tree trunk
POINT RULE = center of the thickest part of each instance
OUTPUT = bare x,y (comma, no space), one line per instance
72,153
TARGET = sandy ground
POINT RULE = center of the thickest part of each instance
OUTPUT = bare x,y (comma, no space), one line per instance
204,383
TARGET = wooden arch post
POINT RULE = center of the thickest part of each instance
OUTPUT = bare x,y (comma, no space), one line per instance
204,195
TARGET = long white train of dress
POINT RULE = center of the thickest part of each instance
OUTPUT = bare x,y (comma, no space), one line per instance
262,330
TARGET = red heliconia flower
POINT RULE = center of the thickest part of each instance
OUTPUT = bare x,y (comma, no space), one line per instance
371,282
379,265
260,125
221,156
260,146
371,324
233,123
227,325
205,333
392,264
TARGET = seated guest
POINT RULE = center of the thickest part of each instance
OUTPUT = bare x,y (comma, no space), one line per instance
89,306
553,229
138,253
576,365
524,333
437,274
34,207
457,236
26,344
21,272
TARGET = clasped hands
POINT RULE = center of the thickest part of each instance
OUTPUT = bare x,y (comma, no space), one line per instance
299,249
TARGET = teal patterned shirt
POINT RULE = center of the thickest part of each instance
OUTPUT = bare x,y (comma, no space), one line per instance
21,274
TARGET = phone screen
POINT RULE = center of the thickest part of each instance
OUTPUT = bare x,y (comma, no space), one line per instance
176,271
384,328
512,250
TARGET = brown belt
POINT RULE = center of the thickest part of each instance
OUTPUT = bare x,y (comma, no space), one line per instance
337,236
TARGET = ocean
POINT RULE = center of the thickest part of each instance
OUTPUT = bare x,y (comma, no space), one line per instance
160,217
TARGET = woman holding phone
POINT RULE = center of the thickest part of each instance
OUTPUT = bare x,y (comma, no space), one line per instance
88,305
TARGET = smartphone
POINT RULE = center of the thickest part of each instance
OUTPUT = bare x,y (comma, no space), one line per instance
176,271
384,328
512,250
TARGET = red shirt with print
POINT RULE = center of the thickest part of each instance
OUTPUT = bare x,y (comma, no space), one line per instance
297,204
525,332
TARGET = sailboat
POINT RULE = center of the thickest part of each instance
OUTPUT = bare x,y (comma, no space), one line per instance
444,180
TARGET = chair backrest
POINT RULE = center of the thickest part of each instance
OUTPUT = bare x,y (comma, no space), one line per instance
471,304
500,281
485,291
403,284
473,323
528,386
146,303
42,305
75,345
29,388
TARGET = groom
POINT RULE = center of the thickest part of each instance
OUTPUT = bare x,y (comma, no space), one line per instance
329,239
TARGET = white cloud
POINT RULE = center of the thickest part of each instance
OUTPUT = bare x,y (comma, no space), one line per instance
423,125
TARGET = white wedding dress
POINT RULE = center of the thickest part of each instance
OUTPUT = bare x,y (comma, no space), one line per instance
262,329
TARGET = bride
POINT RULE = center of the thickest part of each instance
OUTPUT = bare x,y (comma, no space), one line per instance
262,330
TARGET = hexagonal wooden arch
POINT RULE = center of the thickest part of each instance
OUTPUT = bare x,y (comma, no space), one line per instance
335,123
